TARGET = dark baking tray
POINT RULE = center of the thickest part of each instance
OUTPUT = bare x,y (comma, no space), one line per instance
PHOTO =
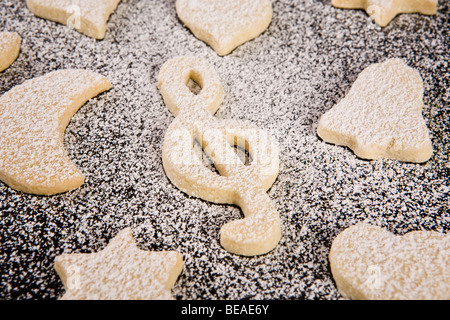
283,81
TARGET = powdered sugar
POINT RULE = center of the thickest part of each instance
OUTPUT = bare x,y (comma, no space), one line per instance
283,81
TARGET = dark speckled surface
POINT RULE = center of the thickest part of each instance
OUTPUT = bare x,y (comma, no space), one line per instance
283,81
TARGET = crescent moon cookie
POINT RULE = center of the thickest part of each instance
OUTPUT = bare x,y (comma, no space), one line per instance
121,271
243,185
370,263
9,49
381,116
383,11
86,16
225,24
33,119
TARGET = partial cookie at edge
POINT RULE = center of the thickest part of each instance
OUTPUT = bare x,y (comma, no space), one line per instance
9,49
371,263
33,119
89,17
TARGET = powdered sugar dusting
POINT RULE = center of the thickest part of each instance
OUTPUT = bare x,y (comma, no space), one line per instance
282,82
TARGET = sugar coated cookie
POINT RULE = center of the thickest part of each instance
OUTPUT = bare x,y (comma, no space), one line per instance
236,183
9,48
86,16
225,24
121,271
381,116
383,11
371,263
33,118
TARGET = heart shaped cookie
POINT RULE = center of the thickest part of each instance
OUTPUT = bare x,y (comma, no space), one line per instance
225,24
370,263
381,116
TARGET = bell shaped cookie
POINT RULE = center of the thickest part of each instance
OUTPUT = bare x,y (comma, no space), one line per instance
381,116
225,24
371,263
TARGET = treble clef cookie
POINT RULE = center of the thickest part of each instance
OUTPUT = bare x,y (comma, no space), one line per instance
243,185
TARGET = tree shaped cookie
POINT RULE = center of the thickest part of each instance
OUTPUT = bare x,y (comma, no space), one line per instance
225,24
381,116
86,16
121,271
383,11
9,48
370,263
33,119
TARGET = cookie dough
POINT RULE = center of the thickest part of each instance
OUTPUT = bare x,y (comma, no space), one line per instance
243,185
33,119
225,24
121,271
381,116
9,49
383,11
86,16
371,263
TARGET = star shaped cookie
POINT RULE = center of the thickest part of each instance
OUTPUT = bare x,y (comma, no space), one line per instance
86,16
383,11
121,271
9,48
